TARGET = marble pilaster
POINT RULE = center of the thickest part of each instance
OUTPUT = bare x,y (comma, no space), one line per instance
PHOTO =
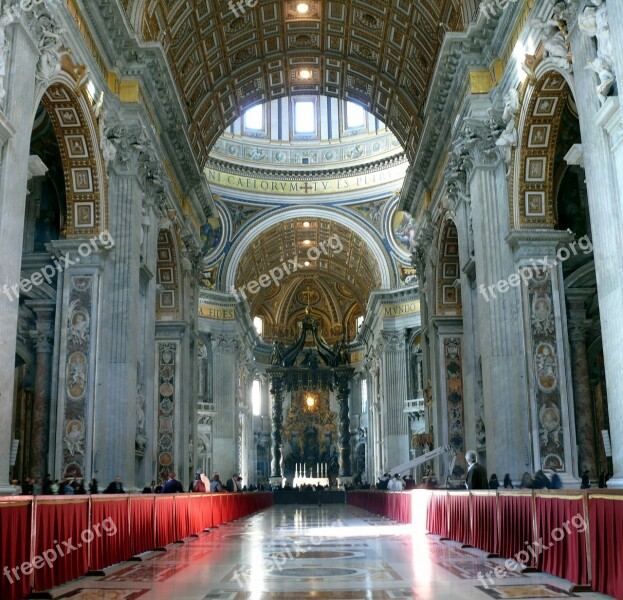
394,381
579,328
79,397
42,339
501,342
15,131
225,386
601,142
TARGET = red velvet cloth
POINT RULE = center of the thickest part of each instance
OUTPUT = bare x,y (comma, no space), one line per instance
195,514
182,516
484,521
142,524
516,525
404,515
566,544
459,519
217,503
110,525
206,510
165,520
437,516
14,546
606,531
60,524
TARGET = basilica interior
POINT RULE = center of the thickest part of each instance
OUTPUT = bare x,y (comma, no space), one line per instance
310,240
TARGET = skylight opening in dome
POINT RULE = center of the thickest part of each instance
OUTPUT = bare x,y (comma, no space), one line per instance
254,118
355,115
305,117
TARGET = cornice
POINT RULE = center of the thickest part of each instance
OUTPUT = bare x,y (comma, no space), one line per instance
298,175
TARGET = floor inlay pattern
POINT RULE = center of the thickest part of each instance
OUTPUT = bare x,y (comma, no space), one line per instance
333,552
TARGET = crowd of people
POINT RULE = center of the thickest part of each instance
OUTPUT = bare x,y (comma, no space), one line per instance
49,487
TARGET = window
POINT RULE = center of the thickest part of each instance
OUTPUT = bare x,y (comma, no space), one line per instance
256,398
254,118
305,117
364,396
355,116
258,323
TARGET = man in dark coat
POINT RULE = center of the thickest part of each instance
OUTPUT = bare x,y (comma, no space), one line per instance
476,474
115,487
173,486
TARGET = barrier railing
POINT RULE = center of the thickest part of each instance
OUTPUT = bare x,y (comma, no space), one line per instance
46,541
574,535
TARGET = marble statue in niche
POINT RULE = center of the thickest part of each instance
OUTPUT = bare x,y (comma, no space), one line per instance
509,137
593,22
554,37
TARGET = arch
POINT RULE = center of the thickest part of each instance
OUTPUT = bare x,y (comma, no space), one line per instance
169,305
78,139
533,201
447,293
386,269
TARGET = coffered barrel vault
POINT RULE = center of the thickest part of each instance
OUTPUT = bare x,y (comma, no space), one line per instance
228,56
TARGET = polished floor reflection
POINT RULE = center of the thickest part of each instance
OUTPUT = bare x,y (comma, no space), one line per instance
332,552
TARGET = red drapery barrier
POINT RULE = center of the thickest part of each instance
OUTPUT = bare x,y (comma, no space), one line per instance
165,526
515,525
60,524
484,521
142,523
110,525
15,528
74,534
437,515
561,524
606,533
217,503
182,516
459,517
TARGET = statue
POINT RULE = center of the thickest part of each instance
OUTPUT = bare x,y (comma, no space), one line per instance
509,137
276,356
554,37
50,48
593,22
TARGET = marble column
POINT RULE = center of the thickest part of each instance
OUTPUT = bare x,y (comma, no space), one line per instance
343,379
602,137
277,389
15,128
42,338
579,327
394,378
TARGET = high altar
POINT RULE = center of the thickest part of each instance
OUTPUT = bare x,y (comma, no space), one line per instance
313,446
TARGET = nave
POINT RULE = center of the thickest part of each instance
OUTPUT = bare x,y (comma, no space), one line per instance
331,552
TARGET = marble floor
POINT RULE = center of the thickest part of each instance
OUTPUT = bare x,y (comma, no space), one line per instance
332,552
